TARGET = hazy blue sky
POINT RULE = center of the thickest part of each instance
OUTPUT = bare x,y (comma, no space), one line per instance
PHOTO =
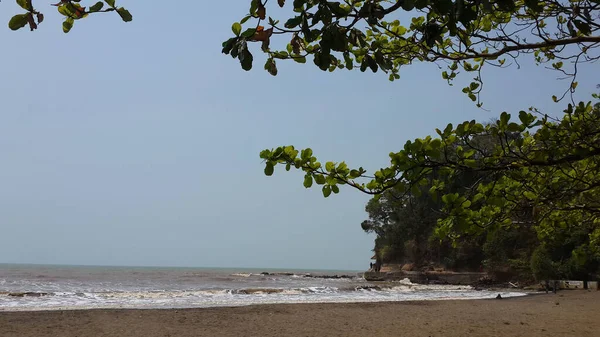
137,144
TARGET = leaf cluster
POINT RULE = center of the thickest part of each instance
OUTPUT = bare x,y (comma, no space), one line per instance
72,10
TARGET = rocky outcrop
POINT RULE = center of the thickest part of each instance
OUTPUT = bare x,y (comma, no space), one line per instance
264,273
428,277
330,276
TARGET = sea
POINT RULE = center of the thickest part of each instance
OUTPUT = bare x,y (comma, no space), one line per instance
53,287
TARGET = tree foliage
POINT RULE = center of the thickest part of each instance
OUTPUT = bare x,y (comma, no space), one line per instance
459,35
548,176
72,10
405,227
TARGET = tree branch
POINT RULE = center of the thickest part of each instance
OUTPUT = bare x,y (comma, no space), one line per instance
519,47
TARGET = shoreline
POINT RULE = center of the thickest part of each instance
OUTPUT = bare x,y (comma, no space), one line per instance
568,313
71,309
450,295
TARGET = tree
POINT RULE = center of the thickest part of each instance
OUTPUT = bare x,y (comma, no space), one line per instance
549,173
404,224
72,10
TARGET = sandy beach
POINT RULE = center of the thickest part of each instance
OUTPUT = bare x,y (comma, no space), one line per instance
569,313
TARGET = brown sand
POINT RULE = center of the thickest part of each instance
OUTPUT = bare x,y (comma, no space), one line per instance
569,313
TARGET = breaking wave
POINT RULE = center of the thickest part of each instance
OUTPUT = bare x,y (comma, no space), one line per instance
235,297
80,288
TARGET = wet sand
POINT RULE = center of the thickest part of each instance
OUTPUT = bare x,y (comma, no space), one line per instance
569,313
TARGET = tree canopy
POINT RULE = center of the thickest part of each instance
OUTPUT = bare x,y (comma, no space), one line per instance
545,169
405,225
457,35
72,10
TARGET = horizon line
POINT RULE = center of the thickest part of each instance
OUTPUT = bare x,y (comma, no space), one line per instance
162,266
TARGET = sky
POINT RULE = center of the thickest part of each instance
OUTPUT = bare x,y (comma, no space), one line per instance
137,143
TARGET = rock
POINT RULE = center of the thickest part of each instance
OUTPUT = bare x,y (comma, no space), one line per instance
28,293
437,282
408,267
266,273
374,277
368,287
331,276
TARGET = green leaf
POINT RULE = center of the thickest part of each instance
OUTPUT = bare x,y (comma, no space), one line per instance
253,6
504,118
67,25
308,181
301,59
62,9
470,163
246,18
354,174
269,168
246,59
448,130
265,154
111,3
228,45
513,127
329,166
533,5
293,22
125,15
25,4
335,189
249,32
280,55
583,27
372,63
326,191
408,5
271,66
320,179
18,21
236,28
526,118
97,6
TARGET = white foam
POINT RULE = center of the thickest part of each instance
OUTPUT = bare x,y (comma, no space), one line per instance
212,298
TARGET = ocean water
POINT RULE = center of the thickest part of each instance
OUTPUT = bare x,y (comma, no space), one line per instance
44,287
